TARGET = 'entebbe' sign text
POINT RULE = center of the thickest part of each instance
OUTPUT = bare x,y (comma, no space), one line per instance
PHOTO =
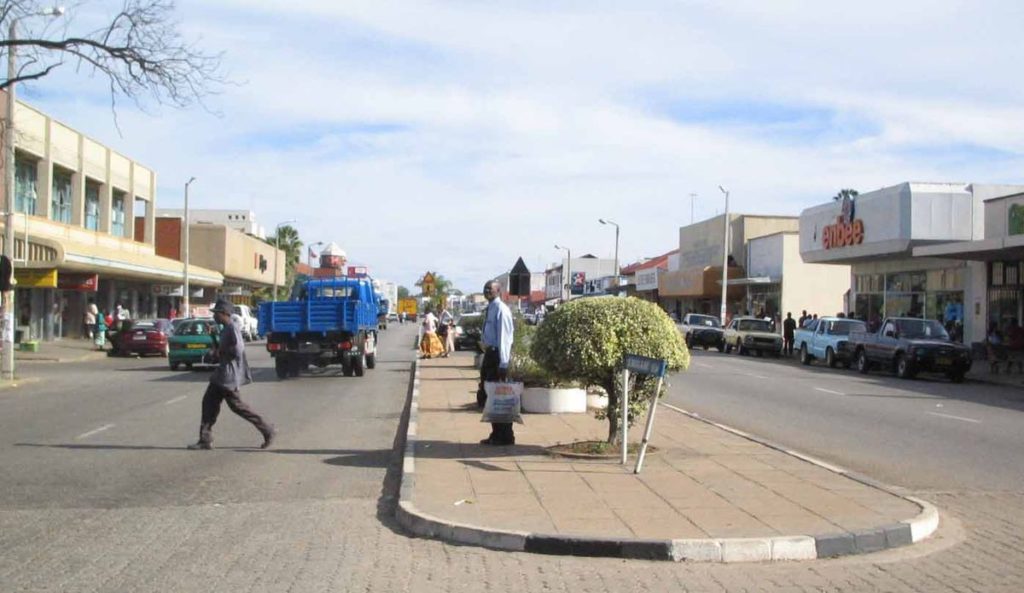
843,233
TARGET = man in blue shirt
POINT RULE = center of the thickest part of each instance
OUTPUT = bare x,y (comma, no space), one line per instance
497,344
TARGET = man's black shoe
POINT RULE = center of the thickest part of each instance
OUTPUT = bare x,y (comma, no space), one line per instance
491,441
200,446
268,439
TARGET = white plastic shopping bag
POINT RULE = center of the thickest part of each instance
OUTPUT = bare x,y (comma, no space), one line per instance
503,402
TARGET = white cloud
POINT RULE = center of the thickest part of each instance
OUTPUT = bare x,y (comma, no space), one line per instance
457,136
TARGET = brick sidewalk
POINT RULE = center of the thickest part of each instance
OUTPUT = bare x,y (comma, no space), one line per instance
704,482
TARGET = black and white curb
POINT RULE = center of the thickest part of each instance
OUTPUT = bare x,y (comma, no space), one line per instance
760,549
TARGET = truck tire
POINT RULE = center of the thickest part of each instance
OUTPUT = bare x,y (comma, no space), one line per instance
294,366
956,376
904,368
281,367
371,360
830,357
358,365
805,356
346,366
863,366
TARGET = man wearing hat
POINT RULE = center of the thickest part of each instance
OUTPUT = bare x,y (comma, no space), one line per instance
232,372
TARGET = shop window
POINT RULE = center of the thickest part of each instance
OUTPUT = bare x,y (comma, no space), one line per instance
906,282
25,195
949,279
60,199
92,206
117,202
1003,306
868,283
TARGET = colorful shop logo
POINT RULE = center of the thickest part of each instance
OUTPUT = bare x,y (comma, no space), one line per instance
847,230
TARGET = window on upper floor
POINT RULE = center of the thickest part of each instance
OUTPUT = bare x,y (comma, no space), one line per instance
92,205
117,203
25,195
60,197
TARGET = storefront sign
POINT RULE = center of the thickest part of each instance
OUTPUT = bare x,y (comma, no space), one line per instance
31,278
79,282
175,290
847,231
578,283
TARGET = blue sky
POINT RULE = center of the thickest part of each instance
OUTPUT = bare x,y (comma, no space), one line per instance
458,136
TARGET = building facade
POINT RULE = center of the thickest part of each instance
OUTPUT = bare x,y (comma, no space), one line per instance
243,221
75,204
884,236
779,281
558,286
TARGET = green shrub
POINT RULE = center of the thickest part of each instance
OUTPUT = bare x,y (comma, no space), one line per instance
586,340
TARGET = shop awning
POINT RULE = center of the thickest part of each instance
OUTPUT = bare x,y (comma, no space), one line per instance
998,248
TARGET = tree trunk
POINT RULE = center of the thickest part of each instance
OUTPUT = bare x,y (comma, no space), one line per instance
614,412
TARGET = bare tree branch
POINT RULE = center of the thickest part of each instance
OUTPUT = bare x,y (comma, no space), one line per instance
140,51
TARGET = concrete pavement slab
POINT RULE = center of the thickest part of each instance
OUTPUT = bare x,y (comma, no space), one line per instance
709,493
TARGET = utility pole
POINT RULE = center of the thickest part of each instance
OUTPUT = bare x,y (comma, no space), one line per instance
187,294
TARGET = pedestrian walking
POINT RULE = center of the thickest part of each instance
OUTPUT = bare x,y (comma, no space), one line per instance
90,319
788,330
430,344
232,372
446,330
497,341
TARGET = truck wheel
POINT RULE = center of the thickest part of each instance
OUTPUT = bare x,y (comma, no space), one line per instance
294,366
863,366
358,365
721,347
371,360
805,356
956,376
904,368
175,366
281,367
830,357
346,366
740,349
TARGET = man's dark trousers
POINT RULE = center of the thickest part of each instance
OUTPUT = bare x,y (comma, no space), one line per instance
215,394
787,347
501,432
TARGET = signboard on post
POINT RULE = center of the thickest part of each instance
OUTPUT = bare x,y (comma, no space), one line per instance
642,365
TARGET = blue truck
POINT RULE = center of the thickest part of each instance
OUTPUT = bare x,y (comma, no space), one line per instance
327,321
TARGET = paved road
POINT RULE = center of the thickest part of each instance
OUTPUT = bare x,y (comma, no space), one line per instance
98,495
924,433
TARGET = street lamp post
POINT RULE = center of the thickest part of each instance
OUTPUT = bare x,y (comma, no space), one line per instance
7,313
187,295
277,249
309,252
606,221
725,253
568,269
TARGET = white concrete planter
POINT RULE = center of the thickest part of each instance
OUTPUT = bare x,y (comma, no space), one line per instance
597,401
554,400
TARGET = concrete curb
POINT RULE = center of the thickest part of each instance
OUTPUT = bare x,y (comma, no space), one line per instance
796,547
43,359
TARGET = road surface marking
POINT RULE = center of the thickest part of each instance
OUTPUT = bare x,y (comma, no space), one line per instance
755,376
175,400
952,417
702,365
823,390
94,431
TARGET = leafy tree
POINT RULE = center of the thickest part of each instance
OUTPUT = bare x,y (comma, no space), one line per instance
287,238
586,340
138,49
844,193
403,292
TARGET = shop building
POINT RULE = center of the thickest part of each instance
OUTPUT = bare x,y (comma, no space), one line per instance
779,281
74,204
995,263
558,285
641,278
246,263
885,236
694,284
243,221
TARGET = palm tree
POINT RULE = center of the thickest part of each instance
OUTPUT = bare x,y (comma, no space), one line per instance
287,238
845,193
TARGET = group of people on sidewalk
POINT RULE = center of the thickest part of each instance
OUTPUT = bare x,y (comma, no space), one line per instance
97,322
437,336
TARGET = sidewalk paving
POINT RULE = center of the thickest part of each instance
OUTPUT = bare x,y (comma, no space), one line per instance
64,350
707,494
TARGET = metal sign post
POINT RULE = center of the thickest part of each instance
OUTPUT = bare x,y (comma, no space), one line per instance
644,366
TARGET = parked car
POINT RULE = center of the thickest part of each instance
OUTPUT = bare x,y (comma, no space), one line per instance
469,328
191,343
909,346
703,330
143,336
393,316
827,339
247,322
750,334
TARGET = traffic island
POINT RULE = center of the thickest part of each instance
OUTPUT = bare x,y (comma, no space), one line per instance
713,494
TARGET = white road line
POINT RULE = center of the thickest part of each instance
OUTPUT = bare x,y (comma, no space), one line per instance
702,365
952,417
755,376
823,390
94,431
175,400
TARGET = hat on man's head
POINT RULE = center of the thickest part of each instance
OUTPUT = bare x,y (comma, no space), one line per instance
222,306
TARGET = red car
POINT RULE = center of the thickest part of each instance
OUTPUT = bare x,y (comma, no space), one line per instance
146,336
